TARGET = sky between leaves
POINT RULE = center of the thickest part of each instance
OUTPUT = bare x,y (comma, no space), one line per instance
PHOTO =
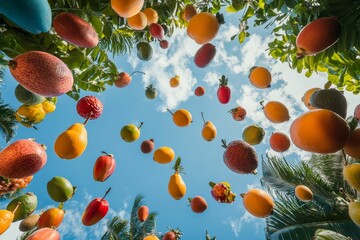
136,173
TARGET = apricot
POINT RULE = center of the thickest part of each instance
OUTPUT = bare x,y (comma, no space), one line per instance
127,8
279,142
306,98
276,112
203,27
352,145
303,193
174,81
138,21
319,131
258,203
151,15
260,77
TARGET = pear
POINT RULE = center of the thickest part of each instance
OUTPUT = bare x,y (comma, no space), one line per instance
209,130
130,132
351,174
354,212
7,217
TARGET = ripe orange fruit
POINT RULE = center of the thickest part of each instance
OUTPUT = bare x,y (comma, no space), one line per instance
182,118
126,8
306,98
138,21
260,77
143,213
151,237
279,142
198,204
276,112
258,203
303,193
164,155
174,81
352,146
151,15
319,131
203,27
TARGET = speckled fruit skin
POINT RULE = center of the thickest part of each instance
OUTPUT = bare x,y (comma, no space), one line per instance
240,157
147,146
89,106
204,55
75,30
22,158
41,73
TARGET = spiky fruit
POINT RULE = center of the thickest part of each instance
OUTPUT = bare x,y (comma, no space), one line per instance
318,36
10,185
221,192
172,234
204,55
156,31
199,91
303,193
240,157
238,113
143,213
89,107
147,146
164,44
198,204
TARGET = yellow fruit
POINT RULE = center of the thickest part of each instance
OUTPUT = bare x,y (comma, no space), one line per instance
176,185
209,130
151,237
351,174
174,81
164,155
253,134
30,114
303,193
6,218
48,106
182,118
354,212
276,112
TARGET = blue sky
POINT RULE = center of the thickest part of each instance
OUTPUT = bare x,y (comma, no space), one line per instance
136,173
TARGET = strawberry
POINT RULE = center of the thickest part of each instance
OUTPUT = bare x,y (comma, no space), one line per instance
238,113
223,92
204,55
240,157
89,107
156,31
221,192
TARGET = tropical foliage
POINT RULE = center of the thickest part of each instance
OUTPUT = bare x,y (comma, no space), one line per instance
294,219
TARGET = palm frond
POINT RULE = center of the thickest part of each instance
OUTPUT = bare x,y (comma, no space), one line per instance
147,227
8,123
116,229
134,221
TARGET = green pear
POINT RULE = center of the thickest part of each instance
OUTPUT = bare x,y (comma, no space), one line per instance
130,132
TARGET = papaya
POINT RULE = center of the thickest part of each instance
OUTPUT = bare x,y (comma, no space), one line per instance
33,16
75,30
41,73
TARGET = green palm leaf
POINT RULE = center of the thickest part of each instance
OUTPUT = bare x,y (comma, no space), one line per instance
8,123
116,229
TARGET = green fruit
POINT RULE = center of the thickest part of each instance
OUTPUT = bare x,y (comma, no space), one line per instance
60,189
27,97
150,92
28,205
253,134
130,132
324,234
144,51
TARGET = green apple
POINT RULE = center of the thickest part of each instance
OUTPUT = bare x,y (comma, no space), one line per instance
130,132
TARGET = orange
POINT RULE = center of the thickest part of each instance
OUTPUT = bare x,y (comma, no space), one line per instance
303,193
182,118
276,112
352,146
151,15
260,77
306,98
319,131
203,27
174,81
127,8
258,203
52,217
138,21
164,155
151,237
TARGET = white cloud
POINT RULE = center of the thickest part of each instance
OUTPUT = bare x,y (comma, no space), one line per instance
237,224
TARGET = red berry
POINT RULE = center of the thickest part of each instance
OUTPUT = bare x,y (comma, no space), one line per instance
89,107
156,31
223,92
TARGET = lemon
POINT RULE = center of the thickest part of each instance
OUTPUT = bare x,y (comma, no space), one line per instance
253,134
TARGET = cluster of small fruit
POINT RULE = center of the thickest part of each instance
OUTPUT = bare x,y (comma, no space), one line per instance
10,185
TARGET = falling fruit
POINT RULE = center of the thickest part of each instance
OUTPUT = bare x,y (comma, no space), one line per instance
6,218
147,146
221,192
150,92
124,79
174,81
176,185
29,222
354,212
351,147
303,193
26,97
260,77
351,175
28,115
189,12
126,8
130,132
306,97
144,51
198,204
208,131
89,107
279,142
331,99
156,31
238,113
51,218
95,210
11,185
253,134
204,55
151,15
151,237
164,44
143,213
357,112
28,205
181,117
138,21
44,233
203,27
258,203
276,112
60,189
164,155
104,167
223,92
172,234
199,91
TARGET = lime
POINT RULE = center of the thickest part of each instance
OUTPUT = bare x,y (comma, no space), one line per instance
60,189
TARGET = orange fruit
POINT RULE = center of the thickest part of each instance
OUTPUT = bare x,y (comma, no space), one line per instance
306,98
303,193
319,131
260,77
352,146
279,142
164,155
276,112
127,8
138,21
203,27
258,203
174,81
151,237
151,15
182,118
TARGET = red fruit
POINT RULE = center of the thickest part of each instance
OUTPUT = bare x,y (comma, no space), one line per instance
279,142
44,233
240,157
104,167
223,92
317,36
147,146
164,44
199,91
221,192
143,213
89,107
357,112
198,204
75,30
124,79
172,234
238,113
189,12
204,55
156,31
95,210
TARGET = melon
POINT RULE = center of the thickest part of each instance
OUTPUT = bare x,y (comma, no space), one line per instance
41,73
33,16
22,158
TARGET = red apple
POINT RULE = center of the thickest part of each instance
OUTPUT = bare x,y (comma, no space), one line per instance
95,210
124,79
104,167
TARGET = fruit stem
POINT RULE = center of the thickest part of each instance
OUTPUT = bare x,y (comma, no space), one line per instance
16,208
223,141
61,205
136,72
141,123
74,190
344,156
87,119
262,104
106,193
12,64
169,111
254,172
242,195
202,115
212,184
107,154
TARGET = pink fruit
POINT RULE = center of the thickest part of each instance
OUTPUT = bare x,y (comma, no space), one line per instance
164,44
89,107
221,192
104,167
204,55
156,31
147,146
357,112
240,157
199,91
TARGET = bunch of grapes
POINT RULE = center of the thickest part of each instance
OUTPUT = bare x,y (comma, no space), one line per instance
10,185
